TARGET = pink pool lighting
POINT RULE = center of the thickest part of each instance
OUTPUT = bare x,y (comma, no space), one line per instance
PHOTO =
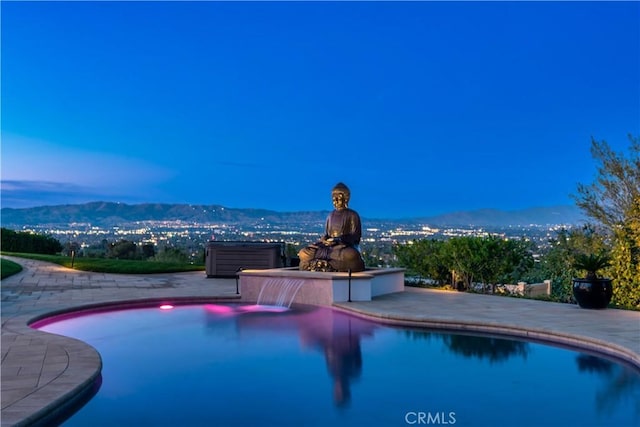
262,308
219,309
232,310
166,307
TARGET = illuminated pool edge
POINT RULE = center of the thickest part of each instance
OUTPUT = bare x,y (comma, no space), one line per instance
570,341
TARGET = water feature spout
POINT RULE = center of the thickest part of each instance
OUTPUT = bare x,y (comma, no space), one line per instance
279,291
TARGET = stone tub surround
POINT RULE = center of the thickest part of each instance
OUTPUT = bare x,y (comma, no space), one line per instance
325,288
41,370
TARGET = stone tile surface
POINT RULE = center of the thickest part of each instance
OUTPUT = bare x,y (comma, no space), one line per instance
40,371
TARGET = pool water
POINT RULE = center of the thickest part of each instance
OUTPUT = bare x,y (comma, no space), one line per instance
234,365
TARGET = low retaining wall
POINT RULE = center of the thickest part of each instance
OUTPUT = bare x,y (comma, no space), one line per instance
320,288
530,290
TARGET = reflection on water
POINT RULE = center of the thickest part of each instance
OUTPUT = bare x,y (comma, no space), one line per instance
588,363
255,365
334,334
618,384
493,349
480,347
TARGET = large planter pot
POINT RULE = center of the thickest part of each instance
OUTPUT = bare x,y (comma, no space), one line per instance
592,293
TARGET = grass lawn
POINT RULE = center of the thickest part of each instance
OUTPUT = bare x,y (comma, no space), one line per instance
8,268
104,265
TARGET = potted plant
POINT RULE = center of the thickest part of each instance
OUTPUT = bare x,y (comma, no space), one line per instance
592,291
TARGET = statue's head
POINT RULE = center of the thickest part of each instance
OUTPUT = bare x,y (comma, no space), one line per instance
340,196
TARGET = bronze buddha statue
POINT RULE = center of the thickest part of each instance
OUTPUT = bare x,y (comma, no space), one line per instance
338,248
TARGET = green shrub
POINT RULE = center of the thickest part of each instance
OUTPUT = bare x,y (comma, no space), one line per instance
171,255
23,241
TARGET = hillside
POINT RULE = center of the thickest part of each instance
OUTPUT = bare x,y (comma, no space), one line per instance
499,218
110,214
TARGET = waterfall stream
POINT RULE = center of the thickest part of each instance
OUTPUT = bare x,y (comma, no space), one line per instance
279,291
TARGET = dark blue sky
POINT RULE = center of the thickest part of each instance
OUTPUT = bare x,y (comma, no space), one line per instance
420,107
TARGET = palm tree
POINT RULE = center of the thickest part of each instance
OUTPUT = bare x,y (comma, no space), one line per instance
592,263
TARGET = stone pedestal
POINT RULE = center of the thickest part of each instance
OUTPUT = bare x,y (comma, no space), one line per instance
324,288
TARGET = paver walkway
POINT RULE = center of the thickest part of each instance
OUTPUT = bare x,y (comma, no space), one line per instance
40,370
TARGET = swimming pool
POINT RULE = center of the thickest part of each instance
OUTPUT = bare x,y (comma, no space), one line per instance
236,365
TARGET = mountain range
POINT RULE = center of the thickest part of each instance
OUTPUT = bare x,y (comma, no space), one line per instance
105,214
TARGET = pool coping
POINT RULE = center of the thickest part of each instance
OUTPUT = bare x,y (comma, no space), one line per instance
83,363
573,342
